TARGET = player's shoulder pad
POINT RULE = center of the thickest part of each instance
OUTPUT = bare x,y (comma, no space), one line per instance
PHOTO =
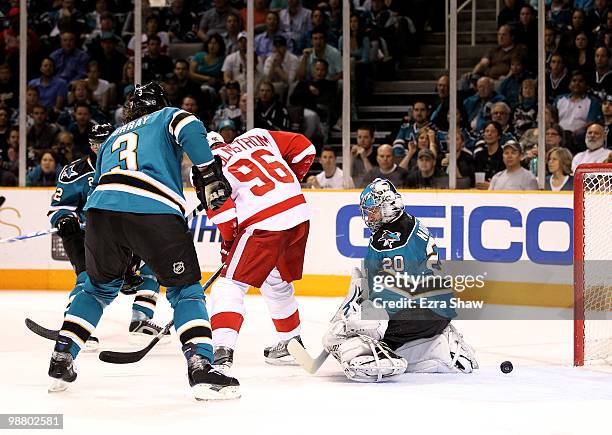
394,235
76,170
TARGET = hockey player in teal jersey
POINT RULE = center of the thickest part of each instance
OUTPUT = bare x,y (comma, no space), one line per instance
138,207
382,329
66,213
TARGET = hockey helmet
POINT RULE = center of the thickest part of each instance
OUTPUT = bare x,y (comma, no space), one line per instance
145,99
98,134
214,139
380,203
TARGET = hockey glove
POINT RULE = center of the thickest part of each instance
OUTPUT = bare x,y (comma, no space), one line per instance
211,186
67,226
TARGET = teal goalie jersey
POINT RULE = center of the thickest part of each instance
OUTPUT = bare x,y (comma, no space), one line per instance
139,165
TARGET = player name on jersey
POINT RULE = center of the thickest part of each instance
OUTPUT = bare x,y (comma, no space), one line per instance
240,144
131,125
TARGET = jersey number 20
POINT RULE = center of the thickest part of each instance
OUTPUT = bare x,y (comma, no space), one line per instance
128,154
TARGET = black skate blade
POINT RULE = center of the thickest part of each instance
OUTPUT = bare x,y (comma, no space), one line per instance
49,334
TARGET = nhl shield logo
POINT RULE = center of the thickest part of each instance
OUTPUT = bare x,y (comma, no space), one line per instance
178,267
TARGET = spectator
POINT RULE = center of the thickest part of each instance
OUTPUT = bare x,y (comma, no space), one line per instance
478,106
332,176
190,104
527,35
320,50
106,32
270,113
425,140
32,99
318,18
318,98
260,13
42,134
241,123
234,66
559,14
83,95
230,109
52,89
601,75
9,160
496,63
598,15
361,51
488,157
500,113
526,113
100,88
606,108
440,113
127,81
514,177
63,148
80,127
510,13
44,174
179,21
264,42
151,29
281,67
550,42
8,96
171,88
582,53
596,147
557,81
110,59
5,125
386,168
9,39
155,65
227,129
186,85
510,87
465,164
425,175
70,62
206,65
559,161
552,138
469,139
213,20
578,108
230,35
363,154
409,130
295,20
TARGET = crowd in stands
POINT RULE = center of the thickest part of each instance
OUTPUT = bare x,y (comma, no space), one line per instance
81,70
81,67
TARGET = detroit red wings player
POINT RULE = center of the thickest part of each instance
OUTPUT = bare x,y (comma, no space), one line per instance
264,227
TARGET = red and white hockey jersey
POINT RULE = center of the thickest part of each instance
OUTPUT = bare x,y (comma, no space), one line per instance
265,169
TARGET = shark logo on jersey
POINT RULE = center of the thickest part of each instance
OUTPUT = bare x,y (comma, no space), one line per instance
388,238
178,267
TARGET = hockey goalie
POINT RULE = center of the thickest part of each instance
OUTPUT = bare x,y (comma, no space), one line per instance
382,329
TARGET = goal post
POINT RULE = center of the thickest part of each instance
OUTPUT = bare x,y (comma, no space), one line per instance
592,263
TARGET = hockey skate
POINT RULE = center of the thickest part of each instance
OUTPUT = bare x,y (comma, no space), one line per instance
224,358
279,355
142,331
92,344
206,382
61,368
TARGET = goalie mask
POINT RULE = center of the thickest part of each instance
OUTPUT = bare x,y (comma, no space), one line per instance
380,203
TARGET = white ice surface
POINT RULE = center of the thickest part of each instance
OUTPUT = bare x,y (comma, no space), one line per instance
543,395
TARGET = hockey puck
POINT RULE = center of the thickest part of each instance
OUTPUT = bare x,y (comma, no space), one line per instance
506,367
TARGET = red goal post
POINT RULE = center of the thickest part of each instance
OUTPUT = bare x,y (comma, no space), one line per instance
592,256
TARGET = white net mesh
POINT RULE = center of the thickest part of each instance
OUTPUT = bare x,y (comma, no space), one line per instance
597,187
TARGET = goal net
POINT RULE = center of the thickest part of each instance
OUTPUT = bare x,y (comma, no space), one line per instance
592,263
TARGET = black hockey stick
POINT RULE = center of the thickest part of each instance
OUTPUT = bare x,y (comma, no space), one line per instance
113,357
2,199
52,334
49,334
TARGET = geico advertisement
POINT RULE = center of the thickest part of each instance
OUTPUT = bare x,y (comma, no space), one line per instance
482,226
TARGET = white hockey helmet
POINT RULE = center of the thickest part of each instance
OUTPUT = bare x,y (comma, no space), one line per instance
214,138
380,203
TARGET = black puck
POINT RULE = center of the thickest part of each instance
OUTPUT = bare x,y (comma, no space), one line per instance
506,367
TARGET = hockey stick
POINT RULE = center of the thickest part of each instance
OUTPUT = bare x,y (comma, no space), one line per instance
52,334
113,357
2,199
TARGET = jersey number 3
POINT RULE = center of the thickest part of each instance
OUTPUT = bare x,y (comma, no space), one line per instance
128,154
262,169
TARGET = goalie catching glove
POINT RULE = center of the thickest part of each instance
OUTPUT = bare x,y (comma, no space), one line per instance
211,186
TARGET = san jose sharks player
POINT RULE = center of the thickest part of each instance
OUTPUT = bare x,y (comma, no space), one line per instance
66,213
138,206
374,335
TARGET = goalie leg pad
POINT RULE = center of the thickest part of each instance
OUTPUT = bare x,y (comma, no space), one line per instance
364,359
443,353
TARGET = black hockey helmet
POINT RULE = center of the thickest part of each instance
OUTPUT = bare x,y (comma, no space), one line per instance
145,99
98,134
